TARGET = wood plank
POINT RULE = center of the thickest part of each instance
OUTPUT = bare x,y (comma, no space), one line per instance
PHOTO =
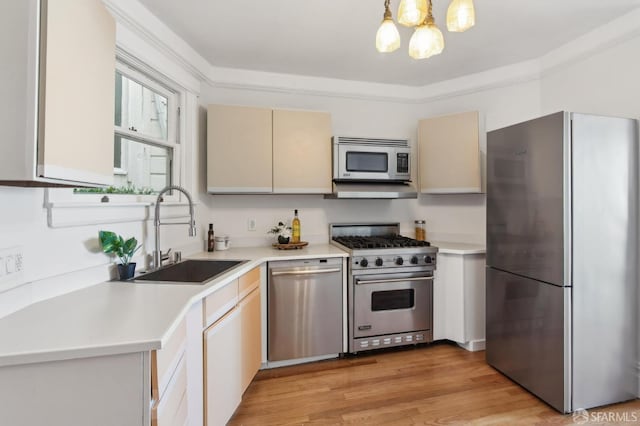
433,384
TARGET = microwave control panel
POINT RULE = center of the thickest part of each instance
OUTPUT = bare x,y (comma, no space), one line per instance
402,165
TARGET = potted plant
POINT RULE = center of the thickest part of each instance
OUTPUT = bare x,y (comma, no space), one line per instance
282,232
114,243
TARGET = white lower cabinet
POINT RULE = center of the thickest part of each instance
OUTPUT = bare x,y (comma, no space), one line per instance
251,349
100,391
171,409
459,300
232,350
196,374
222,368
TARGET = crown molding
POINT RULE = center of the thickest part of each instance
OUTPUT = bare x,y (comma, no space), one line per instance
138,29
239,79
137,19
601,38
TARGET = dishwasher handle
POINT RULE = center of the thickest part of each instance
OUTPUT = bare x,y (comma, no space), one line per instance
306,272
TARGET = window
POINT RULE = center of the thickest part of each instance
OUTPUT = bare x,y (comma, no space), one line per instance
145,137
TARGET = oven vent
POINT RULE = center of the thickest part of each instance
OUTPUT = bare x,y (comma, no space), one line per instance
344,140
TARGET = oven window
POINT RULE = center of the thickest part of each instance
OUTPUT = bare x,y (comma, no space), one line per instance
374,162
392,299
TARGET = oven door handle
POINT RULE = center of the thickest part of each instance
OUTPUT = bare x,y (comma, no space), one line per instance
392,280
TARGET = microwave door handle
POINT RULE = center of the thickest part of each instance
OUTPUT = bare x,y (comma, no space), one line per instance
392,280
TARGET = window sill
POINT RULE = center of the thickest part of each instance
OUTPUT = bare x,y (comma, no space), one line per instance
64,212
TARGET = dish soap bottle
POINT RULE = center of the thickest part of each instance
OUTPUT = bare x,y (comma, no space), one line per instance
210,239
295,228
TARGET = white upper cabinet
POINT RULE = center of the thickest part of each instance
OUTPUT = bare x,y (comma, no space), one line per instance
258,150
239,149
301,152
57,85
449,154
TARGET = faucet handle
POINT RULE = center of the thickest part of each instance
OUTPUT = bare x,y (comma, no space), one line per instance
165,256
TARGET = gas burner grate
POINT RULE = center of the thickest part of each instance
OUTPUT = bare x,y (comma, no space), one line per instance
387,241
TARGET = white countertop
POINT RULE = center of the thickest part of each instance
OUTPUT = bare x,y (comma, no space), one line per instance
122,317
459,248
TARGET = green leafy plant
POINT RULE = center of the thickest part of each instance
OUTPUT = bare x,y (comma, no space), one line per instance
131,189
114,243
281,230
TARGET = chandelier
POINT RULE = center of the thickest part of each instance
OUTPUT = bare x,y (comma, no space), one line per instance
427,38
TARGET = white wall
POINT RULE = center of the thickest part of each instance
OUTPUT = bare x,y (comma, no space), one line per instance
450,217
607,83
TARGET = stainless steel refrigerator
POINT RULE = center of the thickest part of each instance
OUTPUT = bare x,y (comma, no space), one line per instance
562,258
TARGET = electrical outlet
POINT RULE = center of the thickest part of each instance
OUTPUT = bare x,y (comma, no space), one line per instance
11,264
251,224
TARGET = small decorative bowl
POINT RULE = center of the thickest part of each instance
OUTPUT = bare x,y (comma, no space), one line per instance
283,240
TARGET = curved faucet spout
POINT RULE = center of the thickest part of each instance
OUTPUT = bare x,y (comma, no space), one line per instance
157,254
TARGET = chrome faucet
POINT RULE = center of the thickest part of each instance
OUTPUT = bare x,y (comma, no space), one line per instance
157,253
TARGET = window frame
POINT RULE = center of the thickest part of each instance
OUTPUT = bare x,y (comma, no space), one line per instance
154,82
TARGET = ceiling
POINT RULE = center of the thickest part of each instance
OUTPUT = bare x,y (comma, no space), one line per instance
336,38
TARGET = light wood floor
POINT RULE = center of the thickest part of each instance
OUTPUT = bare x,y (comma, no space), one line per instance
435,384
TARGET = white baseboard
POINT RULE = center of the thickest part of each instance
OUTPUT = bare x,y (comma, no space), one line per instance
473,345
275,364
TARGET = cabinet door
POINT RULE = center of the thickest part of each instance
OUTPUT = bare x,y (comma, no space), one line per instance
239,149
171,409
165,361
439,303
251,337
449,154
222,363
448,299
75,130
301,152
96,391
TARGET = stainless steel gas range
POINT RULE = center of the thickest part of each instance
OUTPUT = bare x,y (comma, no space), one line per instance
390,291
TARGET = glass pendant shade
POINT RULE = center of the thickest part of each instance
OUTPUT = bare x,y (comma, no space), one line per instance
412,12
387,37
426,41
461,15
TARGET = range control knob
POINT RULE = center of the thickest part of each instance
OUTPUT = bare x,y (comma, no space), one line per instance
378,262
399,261
364,263
427,259
414,260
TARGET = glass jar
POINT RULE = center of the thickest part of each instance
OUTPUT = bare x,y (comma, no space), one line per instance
421,233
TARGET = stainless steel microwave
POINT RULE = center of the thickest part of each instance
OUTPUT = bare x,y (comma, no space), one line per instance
371,160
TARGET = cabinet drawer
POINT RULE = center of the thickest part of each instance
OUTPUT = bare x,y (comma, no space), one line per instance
248,282
171,409
220,302
164,361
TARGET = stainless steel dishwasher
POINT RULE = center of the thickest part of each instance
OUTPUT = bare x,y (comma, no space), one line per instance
304,308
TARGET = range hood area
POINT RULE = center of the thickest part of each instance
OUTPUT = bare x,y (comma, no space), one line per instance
388,191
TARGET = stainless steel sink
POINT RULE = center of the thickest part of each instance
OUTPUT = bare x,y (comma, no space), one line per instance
190,271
